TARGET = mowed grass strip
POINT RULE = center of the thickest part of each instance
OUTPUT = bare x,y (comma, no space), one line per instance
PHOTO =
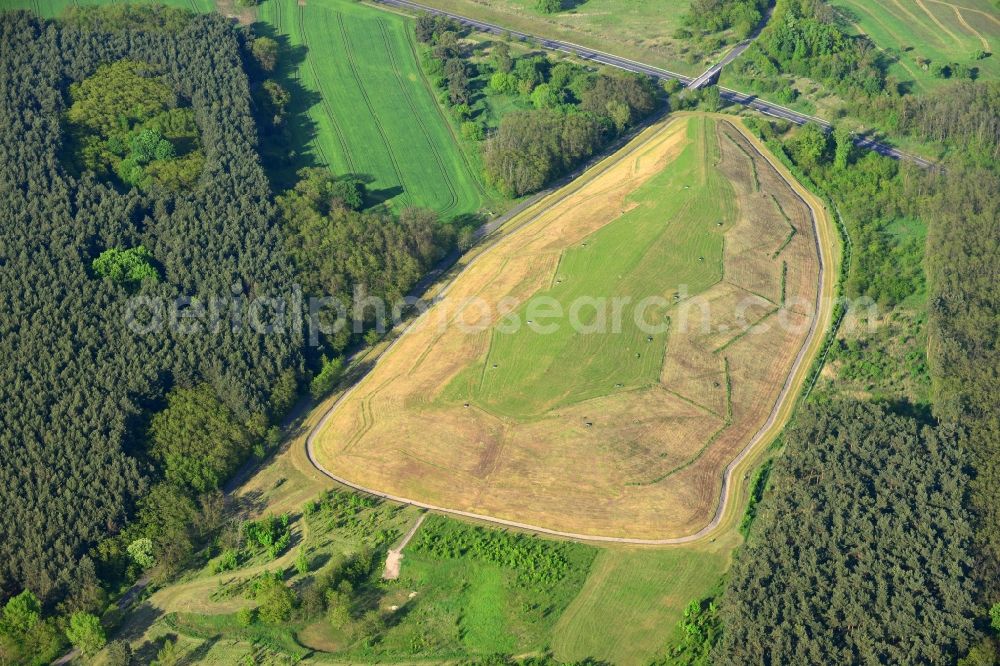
669,240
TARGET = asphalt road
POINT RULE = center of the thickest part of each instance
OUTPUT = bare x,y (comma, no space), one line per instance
611,60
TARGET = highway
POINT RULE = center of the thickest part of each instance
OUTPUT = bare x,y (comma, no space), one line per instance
611,60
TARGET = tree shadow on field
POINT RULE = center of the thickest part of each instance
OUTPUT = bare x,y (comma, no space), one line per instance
138,620
146,653
197,655
378,197
919,411
285,149
570,5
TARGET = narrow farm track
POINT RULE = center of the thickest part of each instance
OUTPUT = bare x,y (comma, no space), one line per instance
968,9
965,24
405,89
731,481
353,63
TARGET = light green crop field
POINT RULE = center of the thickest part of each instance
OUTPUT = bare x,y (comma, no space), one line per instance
534,370
373,111
916,31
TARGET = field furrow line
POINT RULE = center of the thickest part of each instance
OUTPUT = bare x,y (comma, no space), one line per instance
324,101
745,331
791,228
684,465
444,119
453,192
352,62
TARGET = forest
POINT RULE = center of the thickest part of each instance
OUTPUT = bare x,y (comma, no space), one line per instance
862,552
742,16
78,462
802,38
131,181
962,252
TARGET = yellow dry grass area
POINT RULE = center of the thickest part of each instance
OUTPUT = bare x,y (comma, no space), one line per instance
642,463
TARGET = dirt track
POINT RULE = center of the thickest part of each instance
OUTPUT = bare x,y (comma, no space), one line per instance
732,481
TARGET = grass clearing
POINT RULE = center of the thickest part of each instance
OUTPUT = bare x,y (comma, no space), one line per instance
609,433
533,371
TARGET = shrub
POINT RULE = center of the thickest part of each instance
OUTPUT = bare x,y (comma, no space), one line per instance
141,552
472,130
505,83
86,633
327,378
246,616
129,266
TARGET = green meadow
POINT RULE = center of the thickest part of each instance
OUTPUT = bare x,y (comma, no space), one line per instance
464,592
669,236
640,592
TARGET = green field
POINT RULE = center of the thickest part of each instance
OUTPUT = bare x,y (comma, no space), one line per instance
938,31
671,236
642,593
373,111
